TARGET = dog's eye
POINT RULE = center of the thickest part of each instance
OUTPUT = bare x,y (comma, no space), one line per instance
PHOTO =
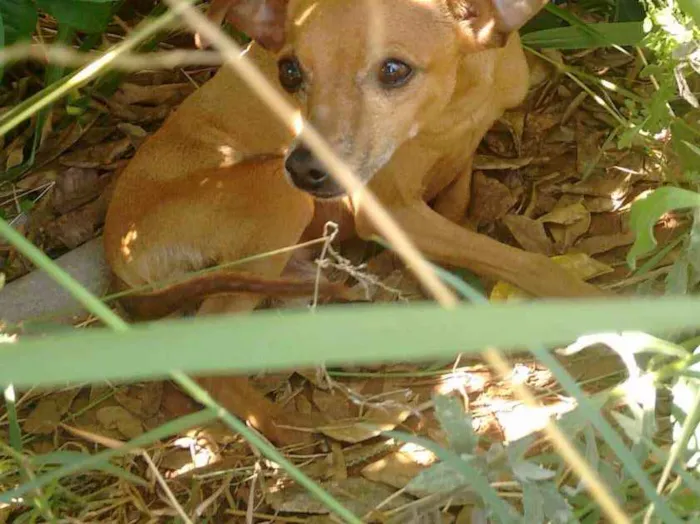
290,74
394,73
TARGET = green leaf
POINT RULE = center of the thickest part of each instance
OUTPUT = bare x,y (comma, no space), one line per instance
645,213
17,21
677,280
574,37
693,252
90,16
692,9
629,10
525,470
686,143
533,503
516,450
69,458
555,506
438,478
456,423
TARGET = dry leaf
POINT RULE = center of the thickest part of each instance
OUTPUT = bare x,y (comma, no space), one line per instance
566,235
566,215
77,227
357,494
491,199
59,143
170,94
514,122
75,187
529,233
602,243
333,404
44,418
487,162
116,417
609,185
98,156
374,422
599,204
135,133
142,400
583,266
399,468
587,147
138,114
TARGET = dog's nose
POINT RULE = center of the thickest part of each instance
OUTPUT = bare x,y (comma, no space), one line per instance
306,172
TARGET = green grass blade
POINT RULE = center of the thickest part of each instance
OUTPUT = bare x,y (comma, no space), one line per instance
15,432
334,335
574,37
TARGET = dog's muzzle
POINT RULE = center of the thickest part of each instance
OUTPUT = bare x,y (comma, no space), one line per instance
306,173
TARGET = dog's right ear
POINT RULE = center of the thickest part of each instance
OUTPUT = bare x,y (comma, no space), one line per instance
488,23
262,20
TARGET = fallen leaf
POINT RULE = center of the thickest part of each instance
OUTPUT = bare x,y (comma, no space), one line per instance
76,186
374,422
44,418
399,468
491,199
99,155
602,243
599,204
566,235
142,400
170,94
607,224
566,215
581,265
611,185
587,148
136,134
138,114
357,494
514,122
58,143
333,404
77,227
487,162
116,417
529,233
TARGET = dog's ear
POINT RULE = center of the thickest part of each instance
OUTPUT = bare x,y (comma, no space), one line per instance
262,20
487,23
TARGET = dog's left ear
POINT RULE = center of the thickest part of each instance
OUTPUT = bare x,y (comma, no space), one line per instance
262,20
487,23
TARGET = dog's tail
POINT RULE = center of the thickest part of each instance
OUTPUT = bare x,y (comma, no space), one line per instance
188,294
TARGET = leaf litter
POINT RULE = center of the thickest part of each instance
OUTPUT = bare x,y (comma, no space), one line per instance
545,180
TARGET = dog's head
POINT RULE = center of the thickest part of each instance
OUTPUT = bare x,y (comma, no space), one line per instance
371,73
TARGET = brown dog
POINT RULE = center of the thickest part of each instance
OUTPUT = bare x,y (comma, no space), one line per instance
403,90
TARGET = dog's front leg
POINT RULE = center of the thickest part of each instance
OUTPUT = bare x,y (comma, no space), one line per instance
453,201
446,242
